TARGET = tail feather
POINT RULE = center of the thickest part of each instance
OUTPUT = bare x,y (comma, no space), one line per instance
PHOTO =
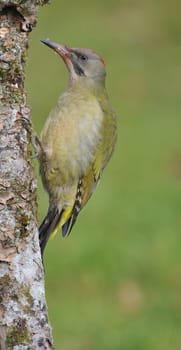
65,227
68,225
48,225
55,219
72,220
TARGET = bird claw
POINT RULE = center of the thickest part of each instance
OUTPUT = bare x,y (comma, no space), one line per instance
34,138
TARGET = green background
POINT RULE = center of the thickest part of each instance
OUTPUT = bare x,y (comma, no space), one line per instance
115,282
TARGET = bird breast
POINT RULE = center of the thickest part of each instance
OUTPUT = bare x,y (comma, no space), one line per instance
71,135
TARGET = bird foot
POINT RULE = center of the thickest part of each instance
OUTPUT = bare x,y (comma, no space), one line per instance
34,138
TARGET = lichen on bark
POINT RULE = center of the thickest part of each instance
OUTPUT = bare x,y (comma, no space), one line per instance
23,311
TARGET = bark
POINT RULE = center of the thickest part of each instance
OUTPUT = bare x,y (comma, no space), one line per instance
23,311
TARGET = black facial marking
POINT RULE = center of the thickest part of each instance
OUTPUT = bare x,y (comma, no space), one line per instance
78,70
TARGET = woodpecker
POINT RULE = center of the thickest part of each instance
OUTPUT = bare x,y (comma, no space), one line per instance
77,140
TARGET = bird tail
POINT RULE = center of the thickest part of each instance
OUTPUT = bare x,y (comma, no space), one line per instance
54,220
49,226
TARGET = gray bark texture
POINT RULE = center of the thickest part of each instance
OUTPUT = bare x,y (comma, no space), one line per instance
23,312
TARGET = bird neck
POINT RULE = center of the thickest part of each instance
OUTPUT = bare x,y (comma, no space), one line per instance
94,86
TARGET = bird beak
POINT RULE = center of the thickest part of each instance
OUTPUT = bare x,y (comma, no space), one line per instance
62,51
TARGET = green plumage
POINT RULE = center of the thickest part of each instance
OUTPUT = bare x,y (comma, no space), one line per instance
77,140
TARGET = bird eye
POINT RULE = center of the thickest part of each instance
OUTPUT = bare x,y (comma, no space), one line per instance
83,57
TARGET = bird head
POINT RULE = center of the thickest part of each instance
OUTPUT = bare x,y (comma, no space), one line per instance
81,63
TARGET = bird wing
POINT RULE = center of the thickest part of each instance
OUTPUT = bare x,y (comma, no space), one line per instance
88,182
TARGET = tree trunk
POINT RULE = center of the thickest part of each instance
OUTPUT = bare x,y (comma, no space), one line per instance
23,311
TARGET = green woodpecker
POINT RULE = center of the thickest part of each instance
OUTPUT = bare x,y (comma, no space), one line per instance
77,140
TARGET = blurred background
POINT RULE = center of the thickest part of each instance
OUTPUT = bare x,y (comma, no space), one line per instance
115,282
